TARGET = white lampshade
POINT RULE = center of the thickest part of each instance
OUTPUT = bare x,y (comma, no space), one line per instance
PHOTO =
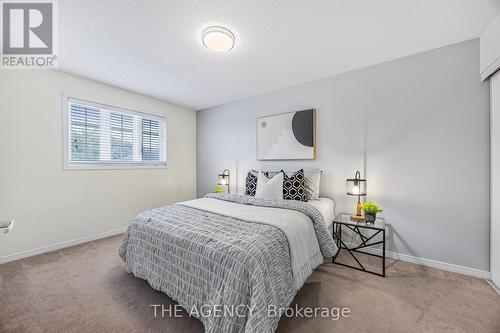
356,186
223,180
218,39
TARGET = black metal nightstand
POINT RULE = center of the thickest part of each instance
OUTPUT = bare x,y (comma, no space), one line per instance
378,228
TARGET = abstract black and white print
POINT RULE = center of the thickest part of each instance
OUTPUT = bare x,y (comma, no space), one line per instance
287,136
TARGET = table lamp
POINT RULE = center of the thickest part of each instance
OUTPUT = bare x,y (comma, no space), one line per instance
224,179
356,187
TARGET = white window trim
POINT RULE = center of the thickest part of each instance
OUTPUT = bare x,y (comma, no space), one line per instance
108,165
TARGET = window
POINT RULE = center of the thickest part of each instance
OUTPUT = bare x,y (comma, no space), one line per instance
101,136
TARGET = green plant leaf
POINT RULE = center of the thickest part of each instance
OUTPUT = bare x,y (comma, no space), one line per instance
370,208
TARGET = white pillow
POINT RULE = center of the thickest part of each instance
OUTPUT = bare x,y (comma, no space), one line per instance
311,184
269,188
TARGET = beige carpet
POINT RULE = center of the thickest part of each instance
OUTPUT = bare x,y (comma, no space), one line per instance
86,289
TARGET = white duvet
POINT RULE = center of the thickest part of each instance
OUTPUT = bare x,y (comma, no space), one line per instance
298,228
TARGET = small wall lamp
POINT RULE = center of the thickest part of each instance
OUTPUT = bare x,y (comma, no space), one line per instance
356,187
223,179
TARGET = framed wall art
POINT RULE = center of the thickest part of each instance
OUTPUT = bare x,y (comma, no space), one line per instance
287,136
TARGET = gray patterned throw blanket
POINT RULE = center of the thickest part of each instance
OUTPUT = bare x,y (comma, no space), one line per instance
225,271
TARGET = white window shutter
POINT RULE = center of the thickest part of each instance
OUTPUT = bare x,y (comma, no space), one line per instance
104,135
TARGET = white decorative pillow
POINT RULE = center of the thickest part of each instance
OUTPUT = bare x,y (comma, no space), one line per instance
269,188
311,183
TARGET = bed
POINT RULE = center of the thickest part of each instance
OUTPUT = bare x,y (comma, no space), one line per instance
240,254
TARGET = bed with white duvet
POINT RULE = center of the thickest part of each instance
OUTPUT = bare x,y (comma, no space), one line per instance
231,251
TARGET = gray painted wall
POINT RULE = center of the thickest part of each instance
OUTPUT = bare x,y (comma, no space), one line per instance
418,127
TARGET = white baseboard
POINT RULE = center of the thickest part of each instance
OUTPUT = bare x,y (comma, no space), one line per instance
393,255
494,286
58,246
430,263
440,265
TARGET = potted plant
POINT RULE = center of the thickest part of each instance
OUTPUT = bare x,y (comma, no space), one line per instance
371,211
218,189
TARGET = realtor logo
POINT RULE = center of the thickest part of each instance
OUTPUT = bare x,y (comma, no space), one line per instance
28,34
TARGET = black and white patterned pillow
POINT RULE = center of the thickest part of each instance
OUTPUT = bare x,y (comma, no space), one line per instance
293,186
251,182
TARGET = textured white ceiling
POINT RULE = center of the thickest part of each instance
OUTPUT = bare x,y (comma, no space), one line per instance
154,48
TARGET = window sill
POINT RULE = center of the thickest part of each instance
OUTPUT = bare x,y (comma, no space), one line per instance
115,166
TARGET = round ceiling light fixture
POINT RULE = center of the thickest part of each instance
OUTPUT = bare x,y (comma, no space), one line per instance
218,39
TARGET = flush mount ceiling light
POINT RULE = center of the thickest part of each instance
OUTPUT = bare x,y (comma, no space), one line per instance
218,39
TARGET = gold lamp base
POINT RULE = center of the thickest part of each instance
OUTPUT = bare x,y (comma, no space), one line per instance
358,217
